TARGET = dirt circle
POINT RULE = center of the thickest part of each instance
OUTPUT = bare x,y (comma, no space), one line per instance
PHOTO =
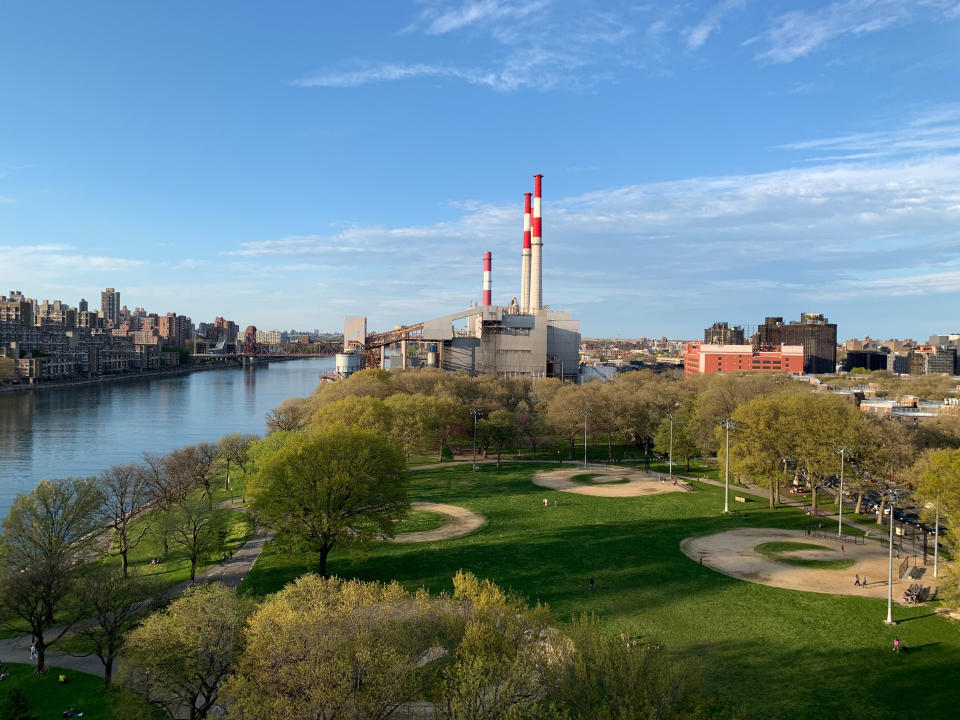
732,553
462,521
638,482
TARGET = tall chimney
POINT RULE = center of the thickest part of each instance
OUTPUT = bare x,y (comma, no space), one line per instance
525,264
536,250
487,261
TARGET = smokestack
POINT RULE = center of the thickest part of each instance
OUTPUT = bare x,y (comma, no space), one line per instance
525,265
487,261
536,250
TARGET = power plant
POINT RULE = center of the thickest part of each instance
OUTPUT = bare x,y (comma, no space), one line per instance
521,339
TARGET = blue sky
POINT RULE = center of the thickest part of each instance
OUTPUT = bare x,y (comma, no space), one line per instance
287,163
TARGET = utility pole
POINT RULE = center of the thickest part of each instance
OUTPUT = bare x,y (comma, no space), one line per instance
586,412
670,461
476,412
727,424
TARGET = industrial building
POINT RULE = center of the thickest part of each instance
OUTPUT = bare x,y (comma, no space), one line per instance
703,358
520,339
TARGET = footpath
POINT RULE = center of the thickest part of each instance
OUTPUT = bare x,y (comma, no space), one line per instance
230,572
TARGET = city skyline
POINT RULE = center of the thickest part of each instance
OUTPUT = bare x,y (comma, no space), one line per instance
719,162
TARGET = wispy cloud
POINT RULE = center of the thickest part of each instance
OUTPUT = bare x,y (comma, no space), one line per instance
441,18
696,36
798,33
384,72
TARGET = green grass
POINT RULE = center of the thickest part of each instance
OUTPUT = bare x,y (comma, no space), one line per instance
48,698
421,521
775,550
585,477
176,568
778,653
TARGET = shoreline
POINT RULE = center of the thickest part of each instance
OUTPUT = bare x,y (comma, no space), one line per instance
169,372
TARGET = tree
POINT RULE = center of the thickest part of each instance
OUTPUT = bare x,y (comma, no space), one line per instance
722,395
335,486
565,413
235,448
166,490
178,656
366,412
194,465
331,648
126,492
15,706
884,450
46,534
199,527
292,414
498,429
938,487
111,602
762,443
414,421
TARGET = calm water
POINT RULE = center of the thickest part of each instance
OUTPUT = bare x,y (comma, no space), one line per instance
82,430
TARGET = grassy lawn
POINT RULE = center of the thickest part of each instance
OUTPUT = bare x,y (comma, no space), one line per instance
776,652
421,521
775,550
176,568
48,698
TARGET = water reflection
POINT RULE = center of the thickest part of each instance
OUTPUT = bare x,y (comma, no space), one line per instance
80,431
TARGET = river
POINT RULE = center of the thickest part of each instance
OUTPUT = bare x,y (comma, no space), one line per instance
84,429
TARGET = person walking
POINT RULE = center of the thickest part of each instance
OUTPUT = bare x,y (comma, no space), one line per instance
33,652
896,644
545,502
863,581
857,581
591,582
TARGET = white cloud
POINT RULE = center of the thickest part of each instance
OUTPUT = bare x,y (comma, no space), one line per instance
696,36
798,33
442,19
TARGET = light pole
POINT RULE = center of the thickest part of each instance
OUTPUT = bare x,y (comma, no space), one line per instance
842,450
586,412
936,537
476,412
727,425
670,461
893,495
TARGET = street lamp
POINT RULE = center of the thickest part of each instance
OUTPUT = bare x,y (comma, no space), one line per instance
476,412
727,424
936,537
892,496
670,460
586,412
842,451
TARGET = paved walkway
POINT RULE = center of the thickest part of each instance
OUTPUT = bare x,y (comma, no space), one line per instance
230,572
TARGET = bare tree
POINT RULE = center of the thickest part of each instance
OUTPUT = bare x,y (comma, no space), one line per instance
167,487
126,493
194,465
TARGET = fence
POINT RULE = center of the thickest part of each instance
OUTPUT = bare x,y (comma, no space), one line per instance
845,539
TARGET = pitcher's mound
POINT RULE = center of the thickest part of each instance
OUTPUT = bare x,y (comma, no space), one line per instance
734,553
462,521
606,482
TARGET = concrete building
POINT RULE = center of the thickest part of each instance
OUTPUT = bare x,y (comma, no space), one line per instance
110,306
703,358
814,332
720,333
866,360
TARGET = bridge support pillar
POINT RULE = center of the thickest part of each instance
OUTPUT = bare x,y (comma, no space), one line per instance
383,357
403,354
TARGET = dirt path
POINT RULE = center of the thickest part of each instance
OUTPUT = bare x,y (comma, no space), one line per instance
638,482
462,521
732,553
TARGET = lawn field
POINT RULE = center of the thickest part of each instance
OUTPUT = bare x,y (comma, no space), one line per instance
776,653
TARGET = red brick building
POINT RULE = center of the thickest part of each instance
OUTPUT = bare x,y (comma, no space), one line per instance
703,358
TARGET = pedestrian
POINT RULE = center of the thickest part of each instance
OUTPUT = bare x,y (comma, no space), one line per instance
896,644
842,548
896,551
545,503
591,582
864,581
701,559
33,652
857,581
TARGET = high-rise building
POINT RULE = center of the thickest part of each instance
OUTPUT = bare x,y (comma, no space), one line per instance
814,332
83,305
720,333
110,306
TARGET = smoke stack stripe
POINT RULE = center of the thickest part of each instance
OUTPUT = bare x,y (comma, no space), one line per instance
536,254
487,261
525,264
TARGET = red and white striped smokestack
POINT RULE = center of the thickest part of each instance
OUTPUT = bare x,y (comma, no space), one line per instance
536,254
525,264
487,261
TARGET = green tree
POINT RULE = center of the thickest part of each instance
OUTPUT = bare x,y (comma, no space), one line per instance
336,486
46,534
199,527
15,706
884,450
414,421
126,493
497,430
362,411
235,449
938,486
178,657
762,443
111,602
